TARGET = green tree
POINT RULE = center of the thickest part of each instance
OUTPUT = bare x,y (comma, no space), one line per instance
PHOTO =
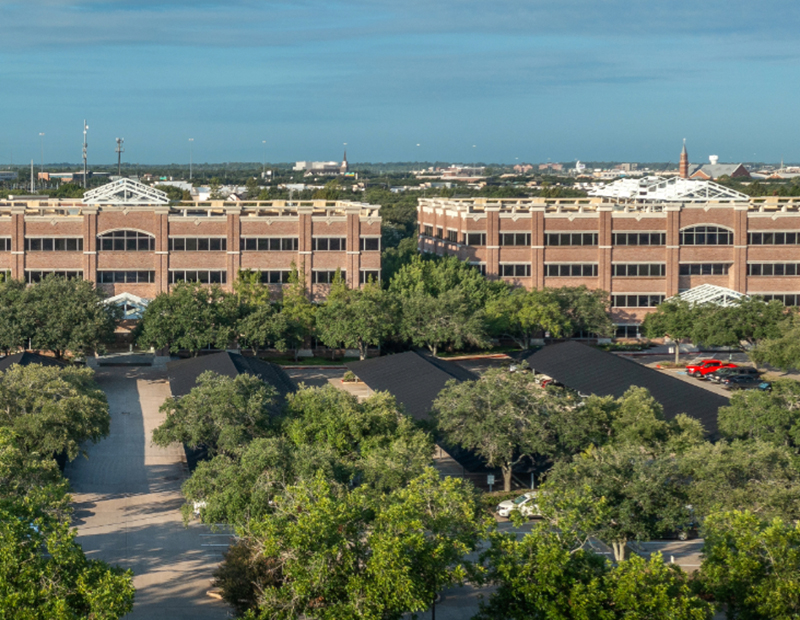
297,316
749,320
14,325
674,318
355,318
545,576
782,350
588,310
261,327
220,414
249,290
752,566
749,475
53,410
348,554
68,315
643,491
502,416
192,316
772,416
522,314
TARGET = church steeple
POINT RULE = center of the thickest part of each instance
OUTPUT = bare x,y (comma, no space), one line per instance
684,165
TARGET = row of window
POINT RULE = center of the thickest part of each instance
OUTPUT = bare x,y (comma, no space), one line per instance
127,241
579,270
198,244
54,244
787,299
636,301
126,277
773,238
515,270
644,270
269,244
204,276
773,269
704,269
70,274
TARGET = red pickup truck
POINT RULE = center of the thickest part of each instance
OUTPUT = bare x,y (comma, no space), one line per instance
695,369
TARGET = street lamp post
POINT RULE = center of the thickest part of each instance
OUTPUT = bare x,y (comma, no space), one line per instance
190,158
41,144
264,160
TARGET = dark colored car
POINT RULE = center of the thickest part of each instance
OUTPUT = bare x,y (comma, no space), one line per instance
723,373
745,382
702,373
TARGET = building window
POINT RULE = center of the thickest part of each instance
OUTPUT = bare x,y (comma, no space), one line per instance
127,241
480,267
773,238
571,238
773,269
515,270
704,269
326,276
787,299
203,276
198,244
628,331
439,232
5,244
515,238
427,231
370,244
329,244
578,270
275,276
636,301
70,274
126,277
640,238
644,270
54,244
452,235
477,239
269,244
706,235
369,275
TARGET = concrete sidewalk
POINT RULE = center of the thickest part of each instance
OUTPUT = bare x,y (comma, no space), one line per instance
127,505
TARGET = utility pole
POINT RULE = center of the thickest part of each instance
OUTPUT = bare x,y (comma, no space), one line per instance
85,129
41,144
264,161
190,158
120,151
33,189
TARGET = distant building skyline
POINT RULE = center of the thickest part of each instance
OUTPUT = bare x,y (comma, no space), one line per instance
504,82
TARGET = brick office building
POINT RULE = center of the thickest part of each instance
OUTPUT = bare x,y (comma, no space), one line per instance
127,238
642,240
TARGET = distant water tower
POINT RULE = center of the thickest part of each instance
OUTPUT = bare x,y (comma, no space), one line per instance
713,159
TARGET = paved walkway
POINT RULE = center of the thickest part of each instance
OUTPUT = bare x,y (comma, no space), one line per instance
127,505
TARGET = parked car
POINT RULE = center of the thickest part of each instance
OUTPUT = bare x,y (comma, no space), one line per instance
719,375
745,382
704,372
694,367
526,504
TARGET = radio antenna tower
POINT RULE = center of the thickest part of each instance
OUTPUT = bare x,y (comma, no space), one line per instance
85,129
120,151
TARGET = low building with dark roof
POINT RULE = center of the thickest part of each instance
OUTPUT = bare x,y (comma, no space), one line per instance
183,374
414,379
27,358
592,371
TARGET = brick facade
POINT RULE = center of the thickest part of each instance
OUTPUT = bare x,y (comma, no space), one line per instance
676,266
32,223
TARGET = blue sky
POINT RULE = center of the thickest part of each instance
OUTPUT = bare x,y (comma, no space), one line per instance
521,80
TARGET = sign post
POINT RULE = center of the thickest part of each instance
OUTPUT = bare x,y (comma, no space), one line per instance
490,481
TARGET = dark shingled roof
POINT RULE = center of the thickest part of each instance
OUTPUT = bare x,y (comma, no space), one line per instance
27,358
414,379
591,371
183,373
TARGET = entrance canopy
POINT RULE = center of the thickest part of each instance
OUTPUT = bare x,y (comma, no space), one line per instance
711,294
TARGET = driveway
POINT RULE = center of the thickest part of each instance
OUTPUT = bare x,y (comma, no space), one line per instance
127,505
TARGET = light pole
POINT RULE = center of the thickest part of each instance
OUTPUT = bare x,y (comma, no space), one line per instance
264,160
190,158
41,144
85,146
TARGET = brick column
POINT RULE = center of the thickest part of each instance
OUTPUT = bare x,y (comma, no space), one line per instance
18,243
604,247
161,262
304,253
353,261
233,230
90,243
738,279
492,242
672,250
537,246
